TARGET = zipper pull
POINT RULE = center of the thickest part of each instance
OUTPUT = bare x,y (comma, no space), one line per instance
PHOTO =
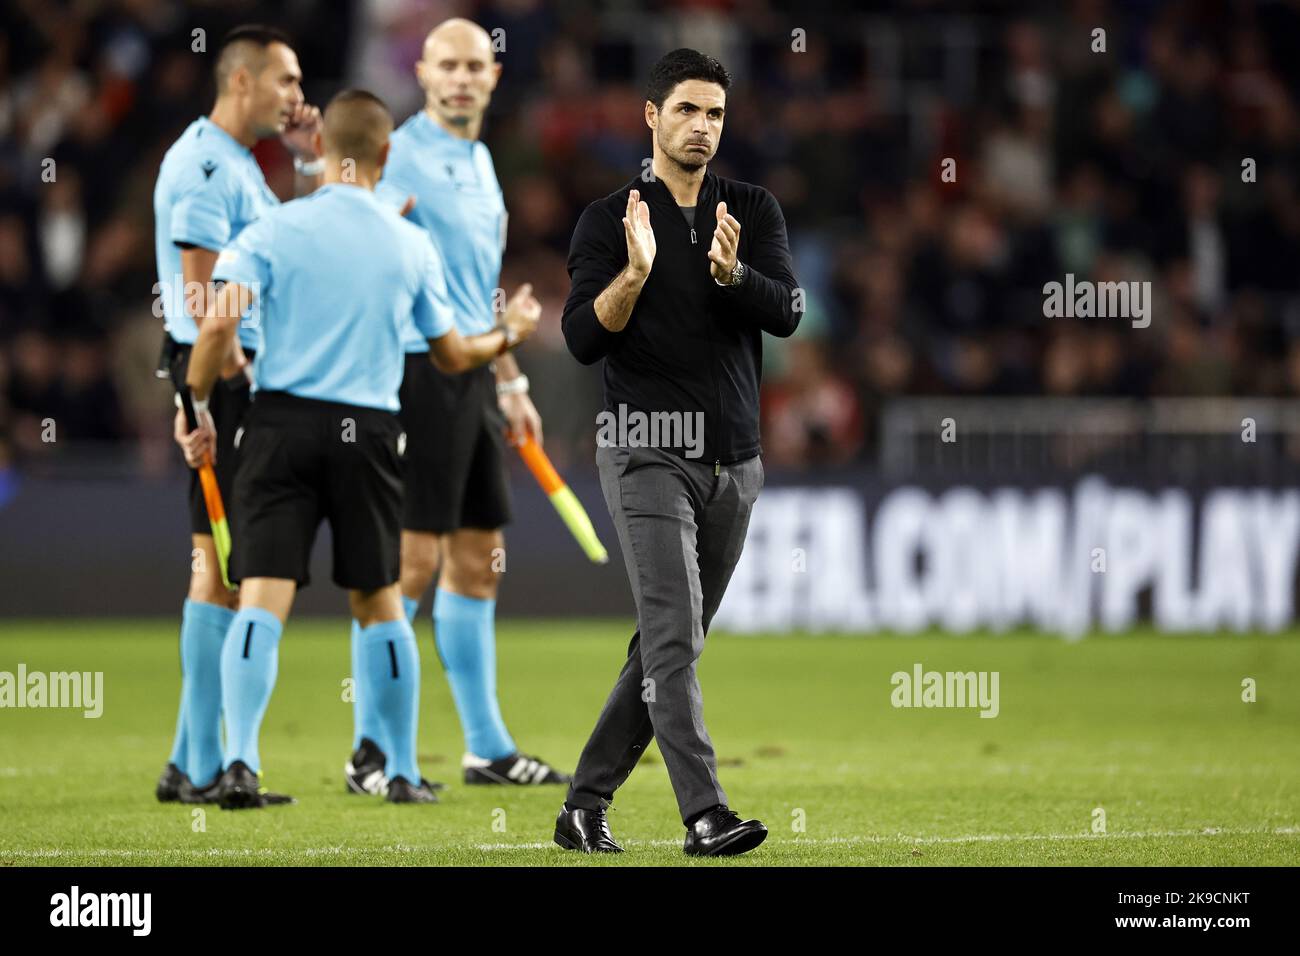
692,235
717,468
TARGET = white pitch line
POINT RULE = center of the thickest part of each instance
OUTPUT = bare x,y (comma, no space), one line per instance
904,839
972,838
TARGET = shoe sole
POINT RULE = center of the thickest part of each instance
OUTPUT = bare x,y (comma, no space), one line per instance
740,843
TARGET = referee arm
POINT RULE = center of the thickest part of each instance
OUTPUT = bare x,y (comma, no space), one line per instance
454,353
217,332
197,264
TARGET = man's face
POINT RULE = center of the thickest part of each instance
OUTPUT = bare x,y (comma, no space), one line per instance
689,126
458,74
276,91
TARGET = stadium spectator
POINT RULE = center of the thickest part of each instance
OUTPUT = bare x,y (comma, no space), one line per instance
1066,161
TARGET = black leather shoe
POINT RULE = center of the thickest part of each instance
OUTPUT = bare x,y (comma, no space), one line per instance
364,770
719,832
401,790
240,789
585,830
237,789
168,789
517,768
192,794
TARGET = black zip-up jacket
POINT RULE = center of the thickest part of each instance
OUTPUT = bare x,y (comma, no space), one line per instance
690,345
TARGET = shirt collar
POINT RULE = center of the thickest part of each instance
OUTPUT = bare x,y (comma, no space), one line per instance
656,191
434,130
344,189
223,136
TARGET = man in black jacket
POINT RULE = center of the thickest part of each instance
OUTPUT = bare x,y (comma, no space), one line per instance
678,317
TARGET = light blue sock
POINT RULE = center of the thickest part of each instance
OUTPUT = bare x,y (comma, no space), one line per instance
390,663
365,722
180,742
360,728
249,662
465,634
203,632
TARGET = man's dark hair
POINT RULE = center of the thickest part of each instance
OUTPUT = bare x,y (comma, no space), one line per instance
245,46
356,95
681,65
356,125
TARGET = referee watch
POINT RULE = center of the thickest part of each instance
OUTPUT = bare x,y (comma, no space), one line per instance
510,338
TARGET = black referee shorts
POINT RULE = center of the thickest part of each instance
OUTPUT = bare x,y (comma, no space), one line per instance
302,461
455,449
228,404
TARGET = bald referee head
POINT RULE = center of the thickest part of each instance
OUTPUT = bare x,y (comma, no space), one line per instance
458,72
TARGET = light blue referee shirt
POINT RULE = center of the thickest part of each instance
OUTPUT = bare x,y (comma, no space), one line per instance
341,277
459,204
209,189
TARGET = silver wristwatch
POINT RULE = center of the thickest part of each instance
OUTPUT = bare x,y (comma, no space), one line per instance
516,386
737,275
309,168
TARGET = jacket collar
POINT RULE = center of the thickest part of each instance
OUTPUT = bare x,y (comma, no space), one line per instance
656,193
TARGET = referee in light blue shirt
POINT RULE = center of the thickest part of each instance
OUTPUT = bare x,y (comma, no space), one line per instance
209,189
339,278
457,498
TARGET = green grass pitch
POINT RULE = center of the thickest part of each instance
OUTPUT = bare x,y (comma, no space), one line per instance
1152,730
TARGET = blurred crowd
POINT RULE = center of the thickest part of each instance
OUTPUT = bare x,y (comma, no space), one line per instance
937,164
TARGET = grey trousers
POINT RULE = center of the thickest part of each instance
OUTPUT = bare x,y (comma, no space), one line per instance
681,529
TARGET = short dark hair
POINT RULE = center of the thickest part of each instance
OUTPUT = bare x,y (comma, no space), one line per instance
356,125
356,94
680,65
238,43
